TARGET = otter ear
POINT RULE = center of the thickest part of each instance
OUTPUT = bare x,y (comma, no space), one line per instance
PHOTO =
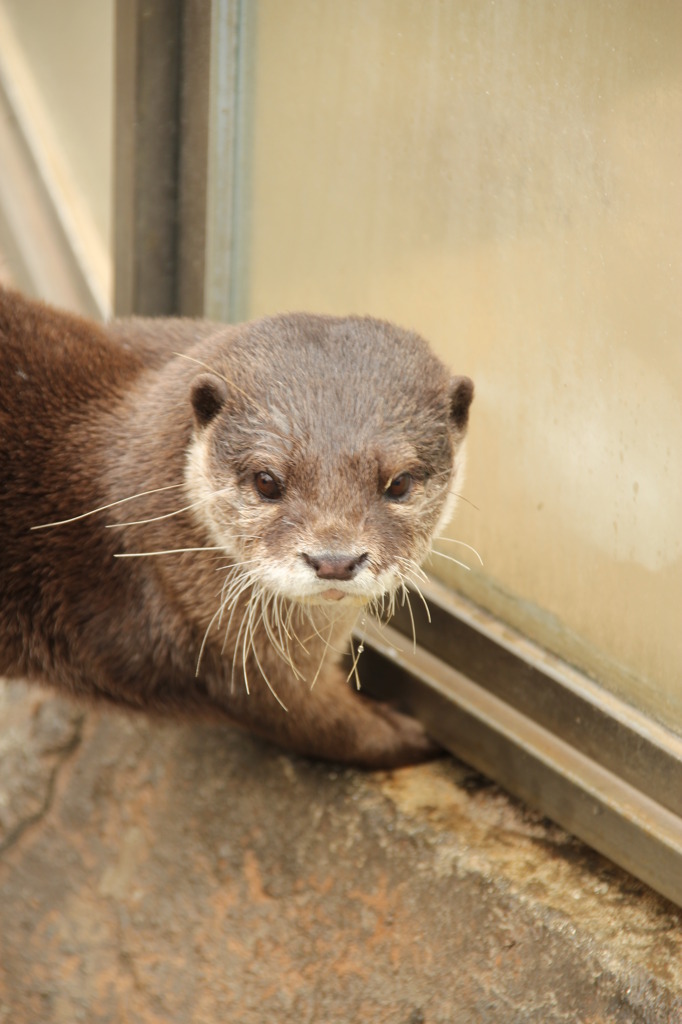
461,394
209,395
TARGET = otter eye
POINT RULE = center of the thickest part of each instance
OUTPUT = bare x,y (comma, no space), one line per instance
267,486
399,486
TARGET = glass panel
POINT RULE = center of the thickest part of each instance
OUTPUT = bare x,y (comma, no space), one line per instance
58,63
505,178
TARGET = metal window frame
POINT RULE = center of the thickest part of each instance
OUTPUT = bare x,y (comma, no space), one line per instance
178,173
542,730
148,128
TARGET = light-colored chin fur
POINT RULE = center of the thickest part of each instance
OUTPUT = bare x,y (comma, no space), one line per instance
456,484
203,495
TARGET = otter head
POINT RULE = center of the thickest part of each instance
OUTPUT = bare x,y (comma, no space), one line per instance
325,454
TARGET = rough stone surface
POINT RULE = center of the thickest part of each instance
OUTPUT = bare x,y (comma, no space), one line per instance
179,873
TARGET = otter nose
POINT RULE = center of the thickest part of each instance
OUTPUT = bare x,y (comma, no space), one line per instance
330,566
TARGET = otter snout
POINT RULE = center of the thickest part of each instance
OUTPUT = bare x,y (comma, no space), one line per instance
333,566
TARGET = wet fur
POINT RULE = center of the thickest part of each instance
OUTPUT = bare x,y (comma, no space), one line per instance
236,625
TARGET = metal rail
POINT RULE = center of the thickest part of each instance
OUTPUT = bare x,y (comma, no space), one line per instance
540,729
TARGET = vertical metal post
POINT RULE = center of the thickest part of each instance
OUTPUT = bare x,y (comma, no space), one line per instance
146,172
178,180
196,57
227,177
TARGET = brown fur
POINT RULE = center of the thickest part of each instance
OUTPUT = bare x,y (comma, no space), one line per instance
334,409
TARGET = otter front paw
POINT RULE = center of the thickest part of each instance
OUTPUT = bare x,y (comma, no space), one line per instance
409,743
383,737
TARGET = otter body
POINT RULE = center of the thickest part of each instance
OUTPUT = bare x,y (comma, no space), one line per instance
192,516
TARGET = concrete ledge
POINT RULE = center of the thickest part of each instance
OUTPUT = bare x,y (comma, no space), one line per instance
153,872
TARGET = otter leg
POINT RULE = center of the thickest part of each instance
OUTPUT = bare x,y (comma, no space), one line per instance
333,722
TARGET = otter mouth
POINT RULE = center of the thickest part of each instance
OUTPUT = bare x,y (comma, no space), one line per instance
334,595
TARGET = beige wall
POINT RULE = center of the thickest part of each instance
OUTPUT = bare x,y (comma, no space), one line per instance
505,178
57,59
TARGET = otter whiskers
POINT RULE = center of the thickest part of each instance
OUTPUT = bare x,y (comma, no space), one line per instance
265,610
164,551
164,515
257,611
327,647
236,583
354,666
103,508
253,625
449,558
453,540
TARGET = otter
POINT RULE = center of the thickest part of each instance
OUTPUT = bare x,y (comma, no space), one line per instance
193,515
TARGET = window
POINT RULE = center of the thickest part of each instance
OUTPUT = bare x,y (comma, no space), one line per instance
505,180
